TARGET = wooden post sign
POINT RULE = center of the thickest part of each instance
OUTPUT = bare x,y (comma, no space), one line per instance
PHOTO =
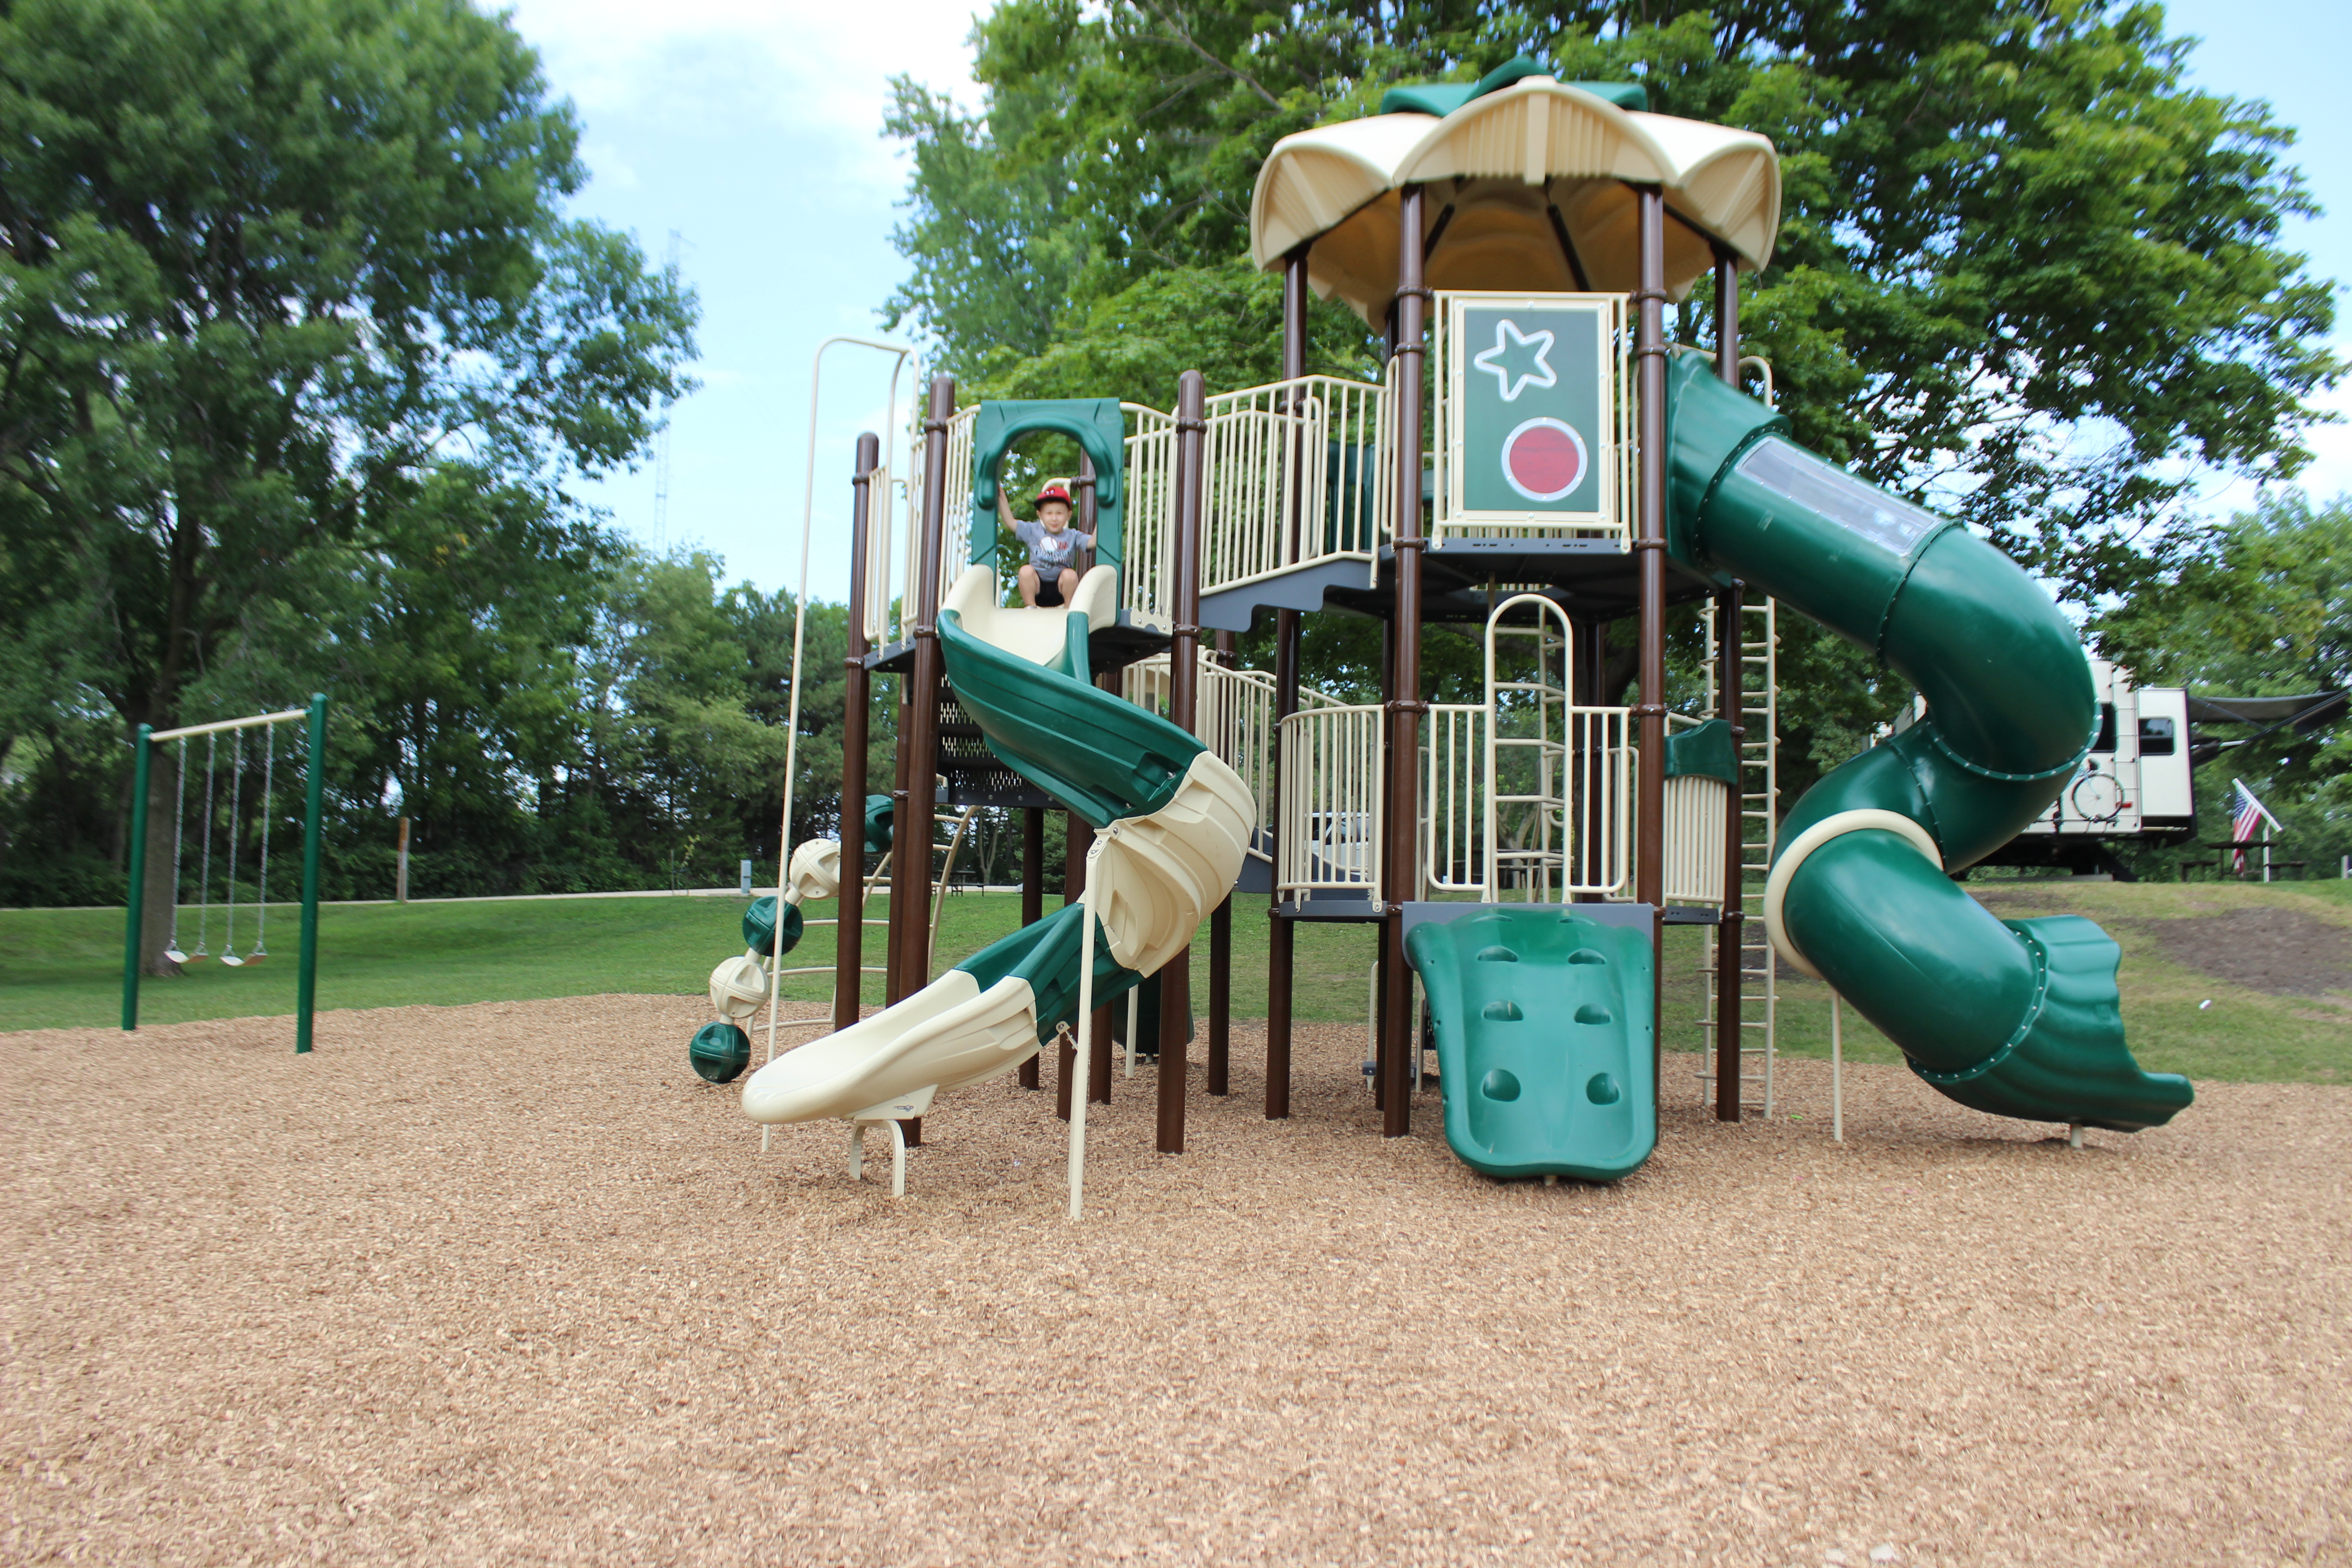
1533,419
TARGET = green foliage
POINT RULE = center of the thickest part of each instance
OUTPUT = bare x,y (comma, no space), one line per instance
298,353
2266,609
265,265
1223,321
2024,270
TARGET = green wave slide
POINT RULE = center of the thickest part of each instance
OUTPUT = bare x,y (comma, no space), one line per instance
1171,825
2015,1017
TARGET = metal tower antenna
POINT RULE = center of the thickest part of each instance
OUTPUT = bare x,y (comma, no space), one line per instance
661,442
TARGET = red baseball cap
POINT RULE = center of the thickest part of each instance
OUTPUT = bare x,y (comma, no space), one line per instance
1054,493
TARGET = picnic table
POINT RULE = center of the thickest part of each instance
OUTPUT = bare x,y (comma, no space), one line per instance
2227,848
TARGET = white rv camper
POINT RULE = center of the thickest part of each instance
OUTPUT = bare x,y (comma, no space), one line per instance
2133,788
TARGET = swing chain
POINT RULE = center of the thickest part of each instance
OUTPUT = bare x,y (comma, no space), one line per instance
204,881
235,799
268,784
178,832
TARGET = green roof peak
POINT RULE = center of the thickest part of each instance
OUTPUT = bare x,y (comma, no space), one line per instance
1443,97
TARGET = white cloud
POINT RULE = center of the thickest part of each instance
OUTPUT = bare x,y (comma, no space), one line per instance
2330,473
820,70
2327,476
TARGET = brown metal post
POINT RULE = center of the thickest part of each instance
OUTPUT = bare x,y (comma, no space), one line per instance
1098,1071
849,946
1032,895
915,821
1727,317
920,747
1728,954
1383,1043
1184,699
1590,645
1221,953
1221,997
1730,931
1402,807
1650,545
894,964
1281,935
1077,839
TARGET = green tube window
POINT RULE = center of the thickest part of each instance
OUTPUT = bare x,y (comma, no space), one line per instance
1893,524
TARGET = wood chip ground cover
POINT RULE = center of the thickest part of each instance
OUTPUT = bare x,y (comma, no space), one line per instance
505,1283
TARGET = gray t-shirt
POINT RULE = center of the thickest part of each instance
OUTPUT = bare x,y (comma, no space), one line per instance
1051,554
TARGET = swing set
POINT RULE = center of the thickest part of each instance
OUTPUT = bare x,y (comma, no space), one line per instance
208,827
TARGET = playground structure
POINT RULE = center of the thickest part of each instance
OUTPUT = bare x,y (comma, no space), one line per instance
1521,853
233,833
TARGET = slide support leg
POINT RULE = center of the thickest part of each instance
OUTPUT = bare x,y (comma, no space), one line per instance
1280,934
1220,997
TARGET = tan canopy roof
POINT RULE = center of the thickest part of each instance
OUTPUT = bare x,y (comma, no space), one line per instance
1505,162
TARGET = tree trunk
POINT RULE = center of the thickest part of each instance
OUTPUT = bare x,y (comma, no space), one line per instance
160,894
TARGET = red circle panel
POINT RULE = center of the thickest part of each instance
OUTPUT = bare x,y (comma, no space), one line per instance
1544,460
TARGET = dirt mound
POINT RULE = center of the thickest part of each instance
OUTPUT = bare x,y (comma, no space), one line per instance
2287,952
2282,952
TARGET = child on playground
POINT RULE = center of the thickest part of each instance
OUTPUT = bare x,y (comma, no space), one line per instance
1052,547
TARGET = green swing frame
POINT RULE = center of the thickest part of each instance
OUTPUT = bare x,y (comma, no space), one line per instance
306,987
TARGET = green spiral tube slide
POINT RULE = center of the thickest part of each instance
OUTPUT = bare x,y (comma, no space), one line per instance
2016,1017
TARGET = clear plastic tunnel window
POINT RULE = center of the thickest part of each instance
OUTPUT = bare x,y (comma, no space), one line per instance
1887,521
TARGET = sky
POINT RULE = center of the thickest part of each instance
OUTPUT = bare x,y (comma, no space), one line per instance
752,130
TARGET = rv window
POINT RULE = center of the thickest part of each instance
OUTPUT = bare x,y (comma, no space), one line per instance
2156,737
2106,741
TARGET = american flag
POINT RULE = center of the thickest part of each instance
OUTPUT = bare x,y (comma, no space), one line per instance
2250,815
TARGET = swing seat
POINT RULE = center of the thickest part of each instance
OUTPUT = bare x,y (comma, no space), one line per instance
232,961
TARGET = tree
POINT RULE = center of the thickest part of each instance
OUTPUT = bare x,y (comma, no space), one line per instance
2025,271
672,737
266,268
2264,609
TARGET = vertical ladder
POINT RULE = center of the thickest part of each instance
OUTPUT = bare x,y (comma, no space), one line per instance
1538,788
1757,703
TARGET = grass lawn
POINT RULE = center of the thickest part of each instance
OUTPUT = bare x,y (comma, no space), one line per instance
62,968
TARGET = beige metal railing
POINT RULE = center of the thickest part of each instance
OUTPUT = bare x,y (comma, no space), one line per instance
1147,575
1233,717
904,545
1332,794
1453,843
1568,829
882,514
1296,473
